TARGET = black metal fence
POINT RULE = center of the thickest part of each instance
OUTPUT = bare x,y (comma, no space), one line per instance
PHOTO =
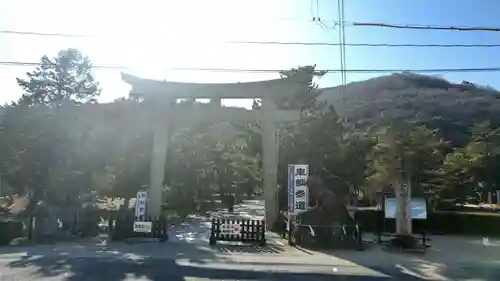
325,236
121,228
419,241
240,230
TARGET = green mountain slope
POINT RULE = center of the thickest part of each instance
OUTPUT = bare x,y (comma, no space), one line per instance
450,107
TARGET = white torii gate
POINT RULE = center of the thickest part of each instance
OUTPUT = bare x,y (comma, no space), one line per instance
161,93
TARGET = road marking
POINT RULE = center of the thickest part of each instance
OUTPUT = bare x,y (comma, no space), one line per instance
279,242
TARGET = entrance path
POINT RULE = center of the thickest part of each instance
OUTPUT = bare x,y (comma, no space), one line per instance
196,230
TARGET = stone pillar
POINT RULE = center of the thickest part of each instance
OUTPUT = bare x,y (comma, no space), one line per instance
158,157
270,160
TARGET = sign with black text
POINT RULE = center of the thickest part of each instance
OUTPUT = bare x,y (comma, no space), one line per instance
298,196
143,226
140,204
230,228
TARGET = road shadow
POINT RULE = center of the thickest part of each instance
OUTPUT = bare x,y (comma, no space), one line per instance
249,249
449,258
79,269
99,259
111,261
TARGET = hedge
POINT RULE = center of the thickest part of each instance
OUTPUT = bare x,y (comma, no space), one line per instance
9,230
440,222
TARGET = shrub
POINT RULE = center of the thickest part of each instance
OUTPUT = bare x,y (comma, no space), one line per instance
440,222
9,230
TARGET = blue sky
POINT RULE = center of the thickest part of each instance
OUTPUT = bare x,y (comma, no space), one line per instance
149,37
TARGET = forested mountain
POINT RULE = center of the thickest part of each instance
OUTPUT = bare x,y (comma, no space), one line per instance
406,97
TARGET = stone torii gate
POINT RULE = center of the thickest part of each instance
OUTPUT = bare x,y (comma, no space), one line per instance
160,94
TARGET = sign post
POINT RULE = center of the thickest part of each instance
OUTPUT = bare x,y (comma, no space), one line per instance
298,195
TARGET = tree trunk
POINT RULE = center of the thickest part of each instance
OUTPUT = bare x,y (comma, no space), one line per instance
30,210
403,208
30,227
126,202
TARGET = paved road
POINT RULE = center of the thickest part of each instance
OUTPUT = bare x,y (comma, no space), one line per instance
188,257
96,269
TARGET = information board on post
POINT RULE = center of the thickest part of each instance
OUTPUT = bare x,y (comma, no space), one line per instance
298,195
418,208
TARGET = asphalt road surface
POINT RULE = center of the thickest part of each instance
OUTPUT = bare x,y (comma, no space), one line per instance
188,257
97,269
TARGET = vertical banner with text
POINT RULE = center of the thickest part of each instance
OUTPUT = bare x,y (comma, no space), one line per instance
298,195
140,205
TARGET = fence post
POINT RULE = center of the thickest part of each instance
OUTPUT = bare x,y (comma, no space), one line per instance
213,239
262,240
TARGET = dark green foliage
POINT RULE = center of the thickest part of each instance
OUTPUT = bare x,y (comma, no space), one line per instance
441,222
9,230
67,77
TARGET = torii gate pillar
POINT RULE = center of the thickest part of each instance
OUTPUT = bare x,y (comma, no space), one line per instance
270,160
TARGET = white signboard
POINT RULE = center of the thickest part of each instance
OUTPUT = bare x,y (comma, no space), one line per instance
418,208
298,195
140,204
228,228
143,226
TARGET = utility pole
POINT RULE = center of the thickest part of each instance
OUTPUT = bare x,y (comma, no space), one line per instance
343,76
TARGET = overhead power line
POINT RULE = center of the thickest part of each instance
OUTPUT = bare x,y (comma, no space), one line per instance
314,19
322,22
242,70
427,27
15,32
285,43
367,44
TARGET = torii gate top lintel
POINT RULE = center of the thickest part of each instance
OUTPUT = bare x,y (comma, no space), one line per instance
155,88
